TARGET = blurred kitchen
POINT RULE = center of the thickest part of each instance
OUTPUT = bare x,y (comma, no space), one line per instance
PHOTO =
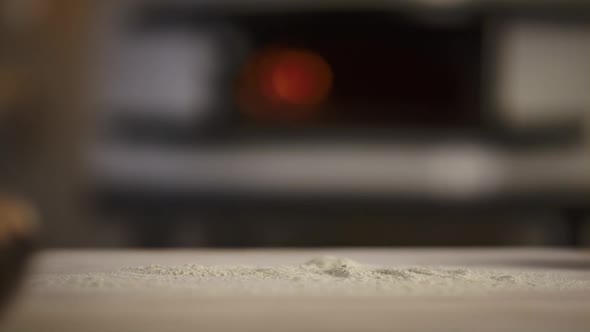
298,123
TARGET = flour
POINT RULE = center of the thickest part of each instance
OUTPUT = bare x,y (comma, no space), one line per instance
319,276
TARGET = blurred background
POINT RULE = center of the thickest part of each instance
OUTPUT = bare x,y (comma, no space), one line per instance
298,123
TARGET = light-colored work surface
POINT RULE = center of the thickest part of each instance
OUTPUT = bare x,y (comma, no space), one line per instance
79,309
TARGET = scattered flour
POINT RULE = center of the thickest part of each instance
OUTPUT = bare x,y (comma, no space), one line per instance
319,276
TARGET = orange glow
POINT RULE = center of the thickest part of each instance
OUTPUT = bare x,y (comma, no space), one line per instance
284,85
297,77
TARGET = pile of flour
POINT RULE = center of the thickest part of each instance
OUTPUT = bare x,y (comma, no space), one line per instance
319,276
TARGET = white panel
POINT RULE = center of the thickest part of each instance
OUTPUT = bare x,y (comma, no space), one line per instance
544,71
166,74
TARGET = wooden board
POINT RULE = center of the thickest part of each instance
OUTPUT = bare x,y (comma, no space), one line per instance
89,311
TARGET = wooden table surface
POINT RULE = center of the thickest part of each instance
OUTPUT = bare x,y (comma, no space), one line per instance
111,311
